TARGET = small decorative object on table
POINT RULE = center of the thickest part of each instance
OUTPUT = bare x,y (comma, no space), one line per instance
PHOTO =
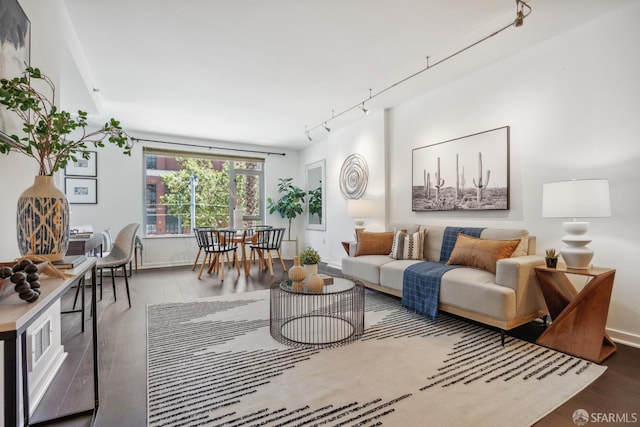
314,283
551,258
297,273
24,275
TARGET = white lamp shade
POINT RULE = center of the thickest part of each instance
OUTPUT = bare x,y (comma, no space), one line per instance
359,208
579,198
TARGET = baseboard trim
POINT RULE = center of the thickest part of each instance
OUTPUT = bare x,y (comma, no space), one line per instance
625,338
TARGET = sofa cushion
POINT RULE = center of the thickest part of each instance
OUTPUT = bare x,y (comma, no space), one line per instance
475,290
374,243
392,273
408,227
408,246
366,267
481,253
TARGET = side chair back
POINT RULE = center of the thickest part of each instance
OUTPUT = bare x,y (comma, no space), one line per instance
268,240
121,254
217,242
199,242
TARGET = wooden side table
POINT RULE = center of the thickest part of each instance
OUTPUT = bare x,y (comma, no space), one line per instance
579,318
345,246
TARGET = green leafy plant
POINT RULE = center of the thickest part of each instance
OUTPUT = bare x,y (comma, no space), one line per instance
289,205
309,256
551,253
315,202
47,129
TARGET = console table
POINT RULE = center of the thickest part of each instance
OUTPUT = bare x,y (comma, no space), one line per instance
15,317
578,318
85,245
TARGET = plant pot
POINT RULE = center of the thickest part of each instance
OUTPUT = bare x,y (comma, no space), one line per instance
42,220
551,262
311,269
289,249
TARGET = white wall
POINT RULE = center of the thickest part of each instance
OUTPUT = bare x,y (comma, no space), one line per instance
572,105
365,137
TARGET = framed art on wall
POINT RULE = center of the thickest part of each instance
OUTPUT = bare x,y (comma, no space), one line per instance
15,52
83,167
81,190
468,173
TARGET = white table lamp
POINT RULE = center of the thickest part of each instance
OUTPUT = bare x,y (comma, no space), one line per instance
578,198
359,209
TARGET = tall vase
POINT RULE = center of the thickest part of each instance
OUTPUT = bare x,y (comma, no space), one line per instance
297,274
42,220
238,218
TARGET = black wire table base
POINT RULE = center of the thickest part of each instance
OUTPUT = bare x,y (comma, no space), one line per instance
329,318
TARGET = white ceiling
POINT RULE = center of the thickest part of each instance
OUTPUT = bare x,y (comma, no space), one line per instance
259,71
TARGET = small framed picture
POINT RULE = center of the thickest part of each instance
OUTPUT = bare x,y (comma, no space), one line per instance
81,190
83,167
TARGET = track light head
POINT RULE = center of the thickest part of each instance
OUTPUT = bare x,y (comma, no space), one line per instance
364,110
519,19
308,136
326,128
520,15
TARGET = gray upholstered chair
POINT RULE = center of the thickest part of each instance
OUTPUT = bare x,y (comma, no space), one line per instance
120,255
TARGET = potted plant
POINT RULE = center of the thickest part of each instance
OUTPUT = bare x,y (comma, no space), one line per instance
551,258
310,259
46,138
289,206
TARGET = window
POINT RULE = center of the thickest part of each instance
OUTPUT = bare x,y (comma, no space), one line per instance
186,190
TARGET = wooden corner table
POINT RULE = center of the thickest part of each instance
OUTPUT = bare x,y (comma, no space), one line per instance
578,318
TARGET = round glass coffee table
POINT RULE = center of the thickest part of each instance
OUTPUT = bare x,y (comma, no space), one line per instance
329,318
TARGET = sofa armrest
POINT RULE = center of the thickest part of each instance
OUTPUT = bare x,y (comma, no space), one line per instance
518,274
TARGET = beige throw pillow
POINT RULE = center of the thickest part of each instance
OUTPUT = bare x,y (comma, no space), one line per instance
408,246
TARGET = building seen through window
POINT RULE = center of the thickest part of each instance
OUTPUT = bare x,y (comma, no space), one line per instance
187,190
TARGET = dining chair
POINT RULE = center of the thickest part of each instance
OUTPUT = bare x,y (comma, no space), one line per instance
120,255
254,240
267,241
217,244
199,243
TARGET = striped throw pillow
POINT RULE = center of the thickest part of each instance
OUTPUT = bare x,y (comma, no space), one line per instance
408,246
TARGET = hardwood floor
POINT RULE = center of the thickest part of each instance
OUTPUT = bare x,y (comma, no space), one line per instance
122,352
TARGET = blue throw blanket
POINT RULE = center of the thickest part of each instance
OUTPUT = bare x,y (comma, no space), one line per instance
421,282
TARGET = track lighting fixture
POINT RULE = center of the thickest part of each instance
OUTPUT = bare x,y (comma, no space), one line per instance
518,22
308,136
520,5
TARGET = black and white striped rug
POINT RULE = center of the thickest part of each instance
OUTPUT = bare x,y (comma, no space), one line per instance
212,362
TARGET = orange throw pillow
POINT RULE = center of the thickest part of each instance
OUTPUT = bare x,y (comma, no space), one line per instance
481,253
374,243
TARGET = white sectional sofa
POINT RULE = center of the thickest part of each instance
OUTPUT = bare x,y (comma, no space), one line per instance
507,299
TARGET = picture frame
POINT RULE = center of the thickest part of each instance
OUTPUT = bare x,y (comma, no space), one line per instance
470,173
81,190
15,55
83,167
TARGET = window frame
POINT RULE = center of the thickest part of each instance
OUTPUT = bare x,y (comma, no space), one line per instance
233,171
